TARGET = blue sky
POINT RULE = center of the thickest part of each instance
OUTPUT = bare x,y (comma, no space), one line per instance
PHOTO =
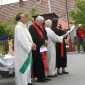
9,1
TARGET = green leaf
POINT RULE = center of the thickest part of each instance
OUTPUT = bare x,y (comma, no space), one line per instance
78,15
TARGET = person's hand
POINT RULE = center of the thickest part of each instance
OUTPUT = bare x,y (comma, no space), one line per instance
46,43
69,33
33,46
64,36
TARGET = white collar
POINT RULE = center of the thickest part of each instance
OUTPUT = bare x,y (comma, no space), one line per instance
20,23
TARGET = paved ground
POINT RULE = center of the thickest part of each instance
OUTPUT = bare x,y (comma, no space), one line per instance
76,76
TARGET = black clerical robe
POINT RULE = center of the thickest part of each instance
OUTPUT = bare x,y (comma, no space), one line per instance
38,66
61,61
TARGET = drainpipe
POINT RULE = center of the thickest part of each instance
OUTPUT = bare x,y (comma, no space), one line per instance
49,6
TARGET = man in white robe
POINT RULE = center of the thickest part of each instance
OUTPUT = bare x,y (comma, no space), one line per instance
51,48
22,48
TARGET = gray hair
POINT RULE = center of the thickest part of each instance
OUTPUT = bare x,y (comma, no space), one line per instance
48,22
40,18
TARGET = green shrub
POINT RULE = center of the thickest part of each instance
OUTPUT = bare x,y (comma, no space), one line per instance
5,29
76,47
66,42
2,51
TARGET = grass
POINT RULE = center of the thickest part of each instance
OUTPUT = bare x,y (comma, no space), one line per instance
76,47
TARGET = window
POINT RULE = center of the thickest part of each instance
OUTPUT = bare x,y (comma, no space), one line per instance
38,1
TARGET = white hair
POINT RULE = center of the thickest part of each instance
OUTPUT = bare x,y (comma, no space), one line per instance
80,24
48,22
40,18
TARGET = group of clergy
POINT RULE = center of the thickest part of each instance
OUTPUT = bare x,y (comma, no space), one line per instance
40,51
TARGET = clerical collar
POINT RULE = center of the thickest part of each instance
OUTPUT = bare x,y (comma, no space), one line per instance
20,23
38,26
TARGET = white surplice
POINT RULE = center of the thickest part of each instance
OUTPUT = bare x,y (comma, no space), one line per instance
22,47
51,50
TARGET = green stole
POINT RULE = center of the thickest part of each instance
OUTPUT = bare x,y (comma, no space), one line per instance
27,62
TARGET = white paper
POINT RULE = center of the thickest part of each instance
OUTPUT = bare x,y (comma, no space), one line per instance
43,48
72,28
67,32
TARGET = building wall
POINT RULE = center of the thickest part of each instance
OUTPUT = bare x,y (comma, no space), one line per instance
57,6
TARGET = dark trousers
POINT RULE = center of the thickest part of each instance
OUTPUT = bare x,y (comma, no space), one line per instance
81,42
38,66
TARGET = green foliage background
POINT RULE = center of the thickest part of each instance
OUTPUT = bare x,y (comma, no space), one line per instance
78,15
2,52
28,15
5,29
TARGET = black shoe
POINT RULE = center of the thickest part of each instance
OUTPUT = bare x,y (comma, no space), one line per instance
59,73
65,72
42,80
48,79
52,75
31,84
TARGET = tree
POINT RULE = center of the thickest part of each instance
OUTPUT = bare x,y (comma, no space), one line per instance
78,15
5,29
32,12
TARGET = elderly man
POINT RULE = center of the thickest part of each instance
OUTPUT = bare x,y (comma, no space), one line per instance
51,48
80,37
39,54
22,48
